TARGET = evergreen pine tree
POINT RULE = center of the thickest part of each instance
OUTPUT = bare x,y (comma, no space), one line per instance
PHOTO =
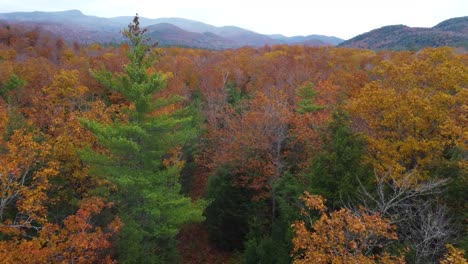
306,102
339,168
140,163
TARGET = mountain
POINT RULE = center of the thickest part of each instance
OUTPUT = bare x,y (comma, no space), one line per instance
452,32
74,17
237,35
325,40
458,24
185,24
170,35
72,25
244,37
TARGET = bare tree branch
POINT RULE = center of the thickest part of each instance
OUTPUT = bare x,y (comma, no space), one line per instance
412,206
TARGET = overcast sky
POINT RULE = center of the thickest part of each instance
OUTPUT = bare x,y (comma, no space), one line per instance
341,18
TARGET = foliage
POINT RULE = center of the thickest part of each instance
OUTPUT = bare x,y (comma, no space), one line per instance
341,236
13,83
305,103
339,168
142,158
77,242
227,215
409,118
382,134
454,256
24,182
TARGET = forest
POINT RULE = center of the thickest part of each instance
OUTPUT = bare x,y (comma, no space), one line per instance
134,153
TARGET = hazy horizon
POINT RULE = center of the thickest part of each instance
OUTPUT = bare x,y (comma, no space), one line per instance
343,19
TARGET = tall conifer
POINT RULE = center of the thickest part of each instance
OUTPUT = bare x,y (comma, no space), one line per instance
142,160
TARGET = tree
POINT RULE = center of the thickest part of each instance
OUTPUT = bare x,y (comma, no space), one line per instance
423,222
341,236
339,167
413,117
78,241
410,119
227,216
306,96
56,112
454,256
142,157
24,179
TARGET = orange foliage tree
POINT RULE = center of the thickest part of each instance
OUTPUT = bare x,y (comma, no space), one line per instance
341,236
79,241
24,181
254,141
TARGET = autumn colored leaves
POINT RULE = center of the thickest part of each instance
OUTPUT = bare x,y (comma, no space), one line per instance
91,159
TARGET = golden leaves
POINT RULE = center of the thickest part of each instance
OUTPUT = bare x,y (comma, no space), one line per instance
342,236
314,202
454,256
25,177
412,112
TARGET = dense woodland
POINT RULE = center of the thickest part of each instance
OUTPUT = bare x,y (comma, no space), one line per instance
279,154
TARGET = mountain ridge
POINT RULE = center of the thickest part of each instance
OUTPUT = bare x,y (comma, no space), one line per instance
451,32
74,26
192,33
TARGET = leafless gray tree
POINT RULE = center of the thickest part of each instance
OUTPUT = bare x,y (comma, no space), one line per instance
413,206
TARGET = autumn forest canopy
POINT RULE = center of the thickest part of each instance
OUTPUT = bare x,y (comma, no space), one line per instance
134,153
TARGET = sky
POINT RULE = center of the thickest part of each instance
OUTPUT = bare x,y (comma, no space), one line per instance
340,18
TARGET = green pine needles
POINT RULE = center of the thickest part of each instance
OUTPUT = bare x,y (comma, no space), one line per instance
306,103
148,198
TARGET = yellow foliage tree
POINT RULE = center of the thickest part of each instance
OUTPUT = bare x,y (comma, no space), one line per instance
56,112
454,256
413,111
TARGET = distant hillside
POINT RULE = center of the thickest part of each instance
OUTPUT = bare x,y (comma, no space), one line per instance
319,39
237,35
69,33
452,32
73,25
74,17
170,35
